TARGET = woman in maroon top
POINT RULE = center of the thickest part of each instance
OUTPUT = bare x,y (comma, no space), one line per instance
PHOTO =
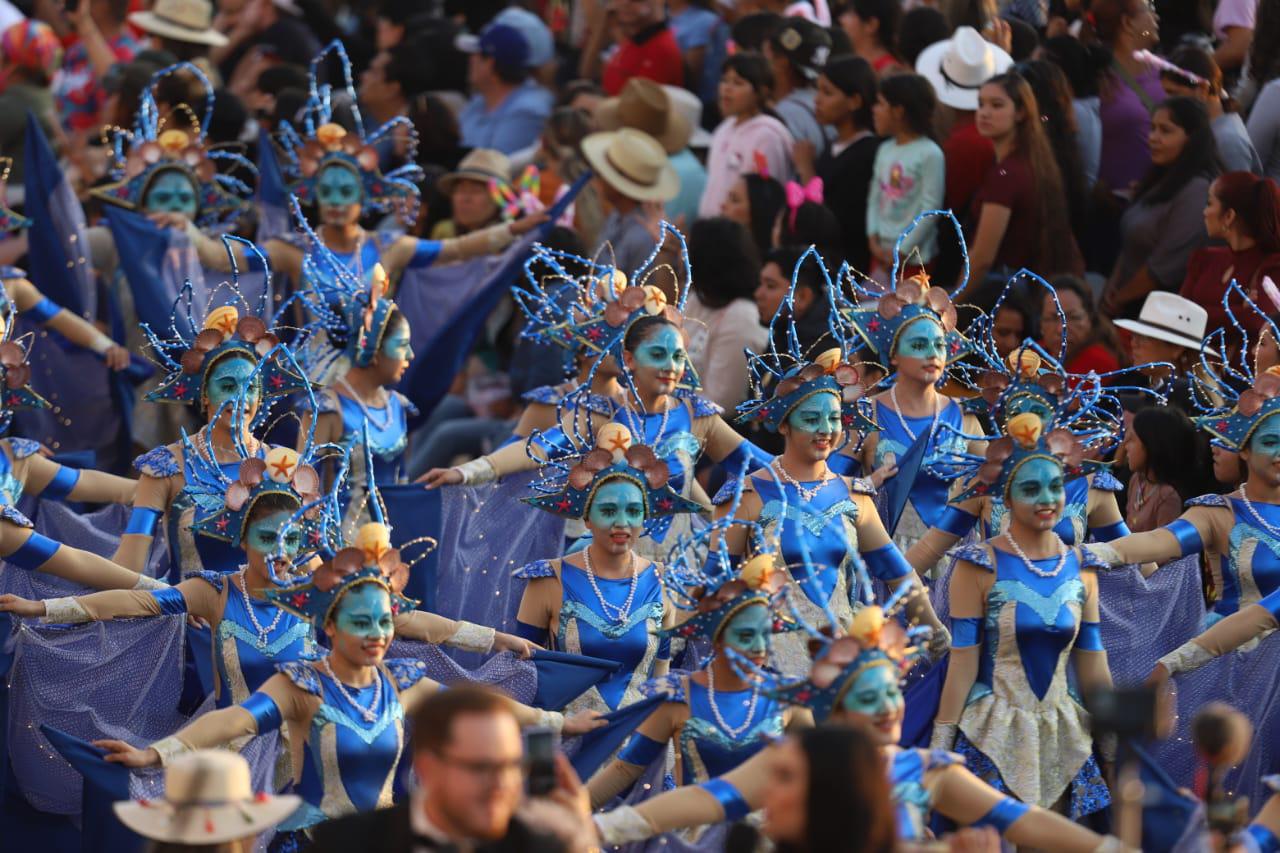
1243,210
1018,217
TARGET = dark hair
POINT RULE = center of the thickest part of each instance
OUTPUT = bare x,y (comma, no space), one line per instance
811,327
750,32
1199,62
766,197
1256,201
848,808
1199,157
228,118
276,78
1102,332
118,9
437,127
183,51
271,503
915,95
1082,64
289,104
180,847
1106,18
1017,304
889,15
1264,53
399,12
181,87
921,27
726,260
567,127
1058,119
578,87
971,13
410,64
1023,39
1174,454
755,69
433,721
512,75
853,75
814,225
643,329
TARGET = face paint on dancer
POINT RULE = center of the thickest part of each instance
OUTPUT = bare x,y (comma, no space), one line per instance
171,192
1263,457
1038,492
616,515
921,352
396,351
339,194
814,427
264,537
748,633
659,360
875,703
226,380
363,625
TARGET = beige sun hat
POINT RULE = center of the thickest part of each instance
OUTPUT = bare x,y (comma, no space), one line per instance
480,164
190,21
646,105
207,800
634,163
958,66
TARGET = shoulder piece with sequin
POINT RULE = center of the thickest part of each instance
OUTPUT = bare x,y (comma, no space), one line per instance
217,580
405,672
1105,481
862,486
303,675
935,759
1208,500
1090,560
536,569
23,447
160,462
979,555
704,408
11,513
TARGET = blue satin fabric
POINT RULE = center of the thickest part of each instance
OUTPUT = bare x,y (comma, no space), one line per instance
1188,537
1265,558
641,750
1262,839
887,563
532,633
580,609
1090,637
387,442
1109,532
143,521
966,632
370,253
425,253
290,641
43,311
815,526
62,484
1003,814
1075,505
911,801
1045,626
957,522
721,752
33,553
928,493
264,711
10,486
748,453
735,807
171,601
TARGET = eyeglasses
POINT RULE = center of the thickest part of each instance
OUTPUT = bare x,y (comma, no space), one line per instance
489,770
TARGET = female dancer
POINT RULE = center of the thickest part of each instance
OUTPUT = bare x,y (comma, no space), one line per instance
345,711
1036,600
605,601
855,680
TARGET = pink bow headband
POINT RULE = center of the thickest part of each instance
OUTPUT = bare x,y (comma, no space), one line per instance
797,195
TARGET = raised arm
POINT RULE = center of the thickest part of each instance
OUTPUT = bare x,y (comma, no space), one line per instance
285,258
1089,656
886,563
968,593
647,744
1196,531
193,596
721,444
1226,635
48,479
32,303
956,523
414,252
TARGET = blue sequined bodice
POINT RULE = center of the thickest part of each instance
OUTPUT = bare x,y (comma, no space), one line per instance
817,526
244,663
10,485
584,627
706,749
1074,513
928,493
388,435
212,555
1251,567
359,262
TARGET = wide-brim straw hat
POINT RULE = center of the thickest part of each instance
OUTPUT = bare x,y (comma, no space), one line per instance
958,66
632,162
189,21
646,105
480,164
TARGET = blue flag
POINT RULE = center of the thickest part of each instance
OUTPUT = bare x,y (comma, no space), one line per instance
104,785
57,249
595,747
412,511
274,216
898,488
563,677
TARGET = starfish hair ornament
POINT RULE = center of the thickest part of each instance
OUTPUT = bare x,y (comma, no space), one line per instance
323,142
1237,413
912,300
780,381
569,485
1025,439
370,559
195,345
151,149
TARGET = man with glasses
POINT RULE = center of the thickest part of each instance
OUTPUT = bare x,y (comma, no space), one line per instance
468,756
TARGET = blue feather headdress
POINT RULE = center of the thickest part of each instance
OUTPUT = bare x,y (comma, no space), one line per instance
561,292
1244,396
15,373
323,142
151,149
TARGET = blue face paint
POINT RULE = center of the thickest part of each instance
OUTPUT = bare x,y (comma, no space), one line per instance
264,537
922,339
365,612
1265,440
1039,482
171,192
748,631
1023,404
227,378
663,351
617,503
338,186
820,414
875,693
395,343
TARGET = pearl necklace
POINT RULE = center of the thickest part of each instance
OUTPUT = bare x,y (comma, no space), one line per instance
263,633
368,414
715,708
619,614
638,433
369,714
1032,567
897,410
1257,516
806,494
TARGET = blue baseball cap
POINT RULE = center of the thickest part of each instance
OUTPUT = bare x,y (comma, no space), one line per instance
505,45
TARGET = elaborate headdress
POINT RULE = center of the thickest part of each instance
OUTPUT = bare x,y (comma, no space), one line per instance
561,293
324,142
151,149
369,560
780,381
1025,440
194,346
912,300
10,219
15,373
569,485
1233,423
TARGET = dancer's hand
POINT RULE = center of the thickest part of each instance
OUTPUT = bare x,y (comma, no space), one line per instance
437,477
169,219
886,471
511,643
525,224
116,357
119,752
583,722
21,606
1158,678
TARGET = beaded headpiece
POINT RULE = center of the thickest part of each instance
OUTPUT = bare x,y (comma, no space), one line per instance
561,293
151,149
15,373
1025,439
324,142
570,484
913,299
1232,424
369,560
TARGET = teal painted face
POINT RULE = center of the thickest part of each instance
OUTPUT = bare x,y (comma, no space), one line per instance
1038,482
171,192
922,339
264,536
365,612
395,343
1023,404
617,503
663,351
748,631
338,186
820,414
876,693
227,378
1265,440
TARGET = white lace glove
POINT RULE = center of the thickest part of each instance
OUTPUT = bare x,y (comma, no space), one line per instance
1104,552
1111,844
944,736
1186,657
470,637
623,825
939,643
170,748
476,472
64,611
148,582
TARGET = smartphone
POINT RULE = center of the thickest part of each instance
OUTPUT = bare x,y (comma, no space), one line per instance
1128,712
540,747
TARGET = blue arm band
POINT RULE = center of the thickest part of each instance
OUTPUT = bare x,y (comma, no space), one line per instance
171,601
966,632
1187,535
532,633
1003,814
43,311
956,521
34,553
641,750
1090,638
664,648
735,808
886,563
1109,532
1264,840
264,710
552,440
425,253
62,483
844,465
143,521
748,453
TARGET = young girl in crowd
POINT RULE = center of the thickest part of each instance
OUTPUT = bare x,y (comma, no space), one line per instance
1162,449
908,176
749,128
1202,79
872,27
754,201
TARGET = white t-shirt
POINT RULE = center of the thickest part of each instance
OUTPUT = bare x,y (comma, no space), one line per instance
1234,13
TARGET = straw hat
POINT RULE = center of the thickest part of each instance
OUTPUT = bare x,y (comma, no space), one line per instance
958,66
1170,318
480,164
189,21
633,163
207,800
646,105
